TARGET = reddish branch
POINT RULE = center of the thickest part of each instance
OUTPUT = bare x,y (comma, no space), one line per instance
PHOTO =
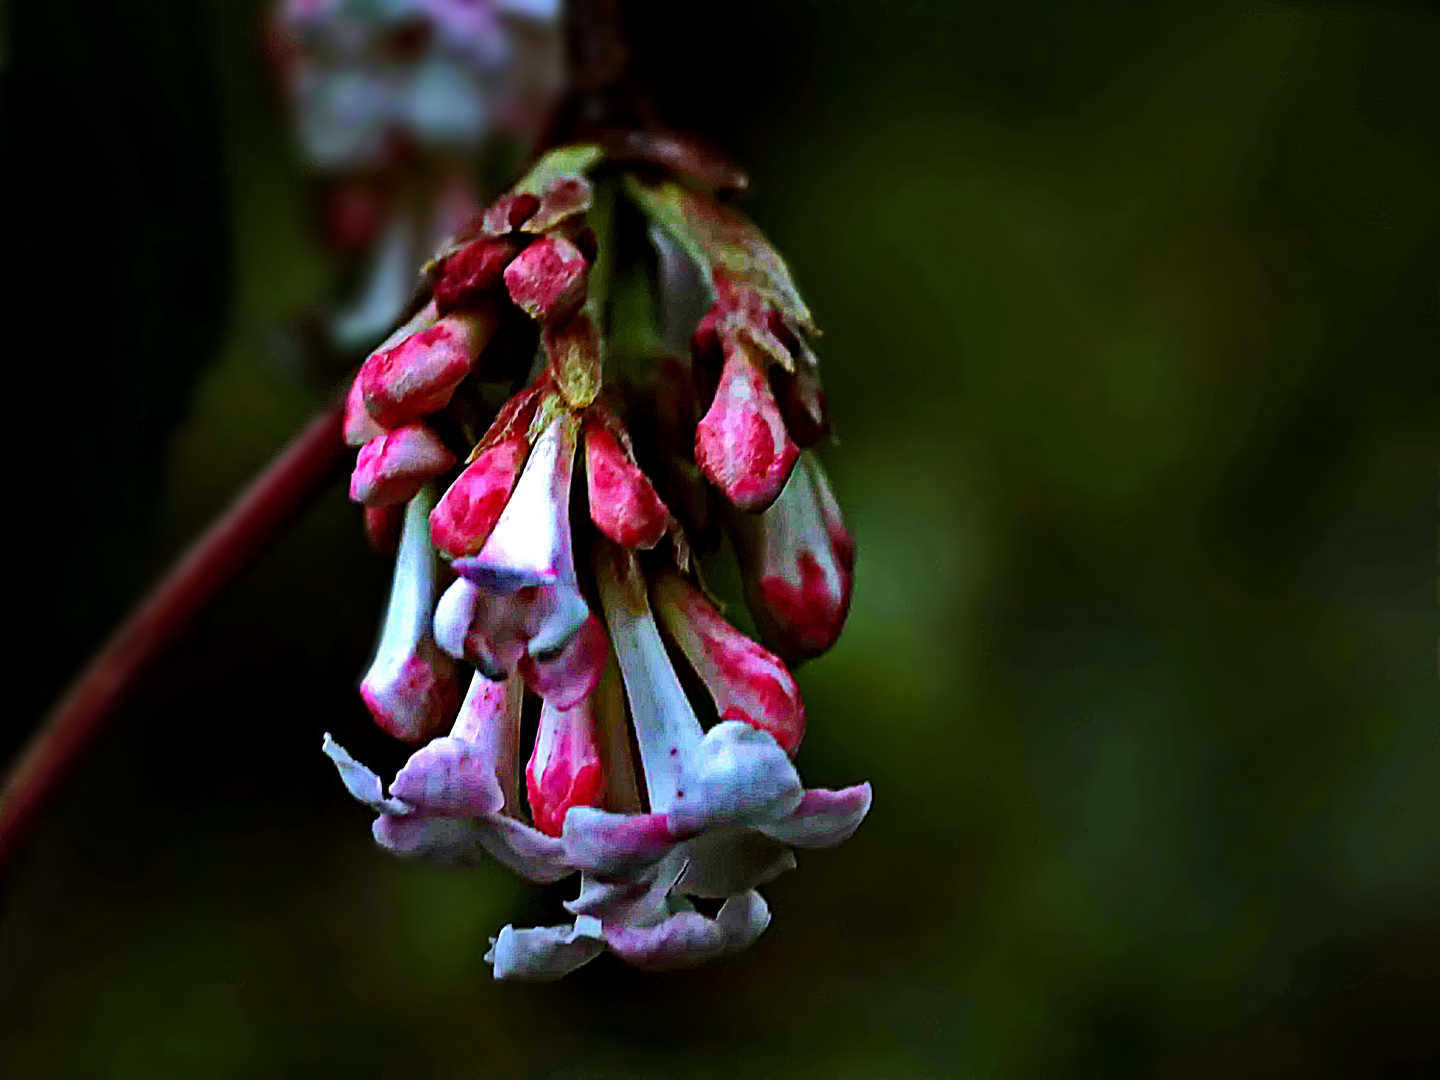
254,521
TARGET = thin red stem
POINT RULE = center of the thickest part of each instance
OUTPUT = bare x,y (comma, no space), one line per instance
254,521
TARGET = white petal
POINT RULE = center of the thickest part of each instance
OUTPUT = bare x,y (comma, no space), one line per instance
449,777
411,686
530,544
743,918
454,614
680,941
543,953
489,720
735,776
444,841
641,901
361,782
526,851
665,725
724,862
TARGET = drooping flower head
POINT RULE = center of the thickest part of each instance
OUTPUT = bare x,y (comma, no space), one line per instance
556,514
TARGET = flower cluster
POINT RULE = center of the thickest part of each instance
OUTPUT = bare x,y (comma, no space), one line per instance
390,101
368,76
659,737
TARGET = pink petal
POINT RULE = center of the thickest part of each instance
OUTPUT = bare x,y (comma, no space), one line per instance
448,778
681,941
614,844
824,818
623,503
748,682
566,676
741,445
360,426
462,521
393,466
418,376
799,565
412,696
469,274
548,280
564,769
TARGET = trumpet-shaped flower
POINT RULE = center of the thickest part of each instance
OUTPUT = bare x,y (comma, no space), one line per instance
411,687
521,607
455,800
799,565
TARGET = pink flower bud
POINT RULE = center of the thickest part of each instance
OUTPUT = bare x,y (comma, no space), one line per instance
799,564
749,683
548,279
412,688
461,522
741,445
393,466
565,769
419,375
623,504
470,273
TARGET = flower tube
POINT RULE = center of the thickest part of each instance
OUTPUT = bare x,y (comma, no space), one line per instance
411,687
799,565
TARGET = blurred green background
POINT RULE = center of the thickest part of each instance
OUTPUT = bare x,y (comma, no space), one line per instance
1131,339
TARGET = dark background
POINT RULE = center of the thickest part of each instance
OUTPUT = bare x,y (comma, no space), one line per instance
1131,338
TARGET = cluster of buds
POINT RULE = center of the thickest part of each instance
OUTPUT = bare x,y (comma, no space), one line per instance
660,738
368,79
